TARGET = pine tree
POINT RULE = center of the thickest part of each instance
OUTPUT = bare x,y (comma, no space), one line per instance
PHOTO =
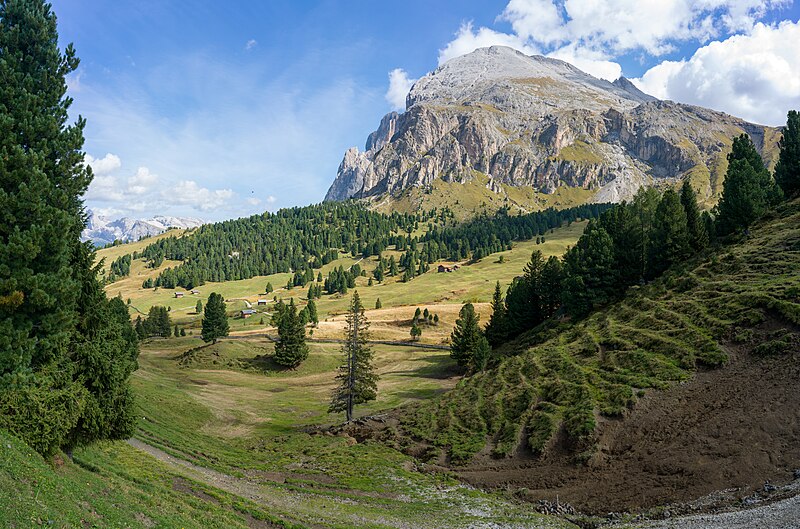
177,332
215,319
313,317
524,297
378,303
415,332
496,329
550,294
466,336
357,381
199,307
291,349
590,275
787,170
268,289
698,236
748,189
670,239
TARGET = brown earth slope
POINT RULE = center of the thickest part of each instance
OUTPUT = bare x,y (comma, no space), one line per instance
737,426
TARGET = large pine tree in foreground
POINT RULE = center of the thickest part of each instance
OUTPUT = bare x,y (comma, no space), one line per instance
787,171
66,352
358,383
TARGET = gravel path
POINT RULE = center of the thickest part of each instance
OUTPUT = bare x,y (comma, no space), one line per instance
784,514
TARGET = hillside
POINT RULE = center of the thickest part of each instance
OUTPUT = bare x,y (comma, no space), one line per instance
502,127
659,398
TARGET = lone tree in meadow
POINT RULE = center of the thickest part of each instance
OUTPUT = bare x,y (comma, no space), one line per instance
787,171
291,349
215,320
199,307
358,383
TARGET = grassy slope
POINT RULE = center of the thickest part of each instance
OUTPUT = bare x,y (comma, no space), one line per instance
224,408
442,293
657,335
114,252
109,485
465,199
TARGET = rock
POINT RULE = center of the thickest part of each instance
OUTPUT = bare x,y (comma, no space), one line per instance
542,123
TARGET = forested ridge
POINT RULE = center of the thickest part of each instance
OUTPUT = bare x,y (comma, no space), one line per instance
302,239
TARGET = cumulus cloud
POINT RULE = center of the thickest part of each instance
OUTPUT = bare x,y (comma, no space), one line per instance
468,39
754,76
744,67
103,166
189,193
145,190
399,85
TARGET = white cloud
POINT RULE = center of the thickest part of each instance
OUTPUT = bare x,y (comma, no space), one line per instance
468,40
590,62
188,192
754,76
105,165
252,43
399,85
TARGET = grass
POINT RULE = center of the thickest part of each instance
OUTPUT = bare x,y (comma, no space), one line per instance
470,196
262,420
441,293
563,377
115,252
110,485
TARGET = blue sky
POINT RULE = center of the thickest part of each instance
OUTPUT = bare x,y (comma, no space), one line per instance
227,109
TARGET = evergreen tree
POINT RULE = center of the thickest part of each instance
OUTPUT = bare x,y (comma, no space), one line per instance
590,275
698,236
551,278
48,393
358,382
198,308
215,319
670,240
183,331
139,328
291,349
177,332
313,317
416,332
466,336
268,289
496,329
481,355
524,297
787,170
392,266
748,189
378,303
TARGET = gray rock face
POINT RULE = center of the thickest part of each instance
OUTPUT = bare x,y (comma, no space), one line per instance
539,122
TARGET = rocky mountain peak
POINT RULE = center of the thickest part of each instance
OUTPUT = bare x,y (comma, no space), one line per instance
533,122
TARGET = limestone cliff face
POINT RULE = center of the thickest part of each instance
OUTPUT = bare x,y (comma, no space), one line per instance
541,123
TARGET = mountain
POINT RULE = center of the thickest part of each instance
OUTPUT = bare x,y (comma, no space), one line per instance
497,126
102,230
